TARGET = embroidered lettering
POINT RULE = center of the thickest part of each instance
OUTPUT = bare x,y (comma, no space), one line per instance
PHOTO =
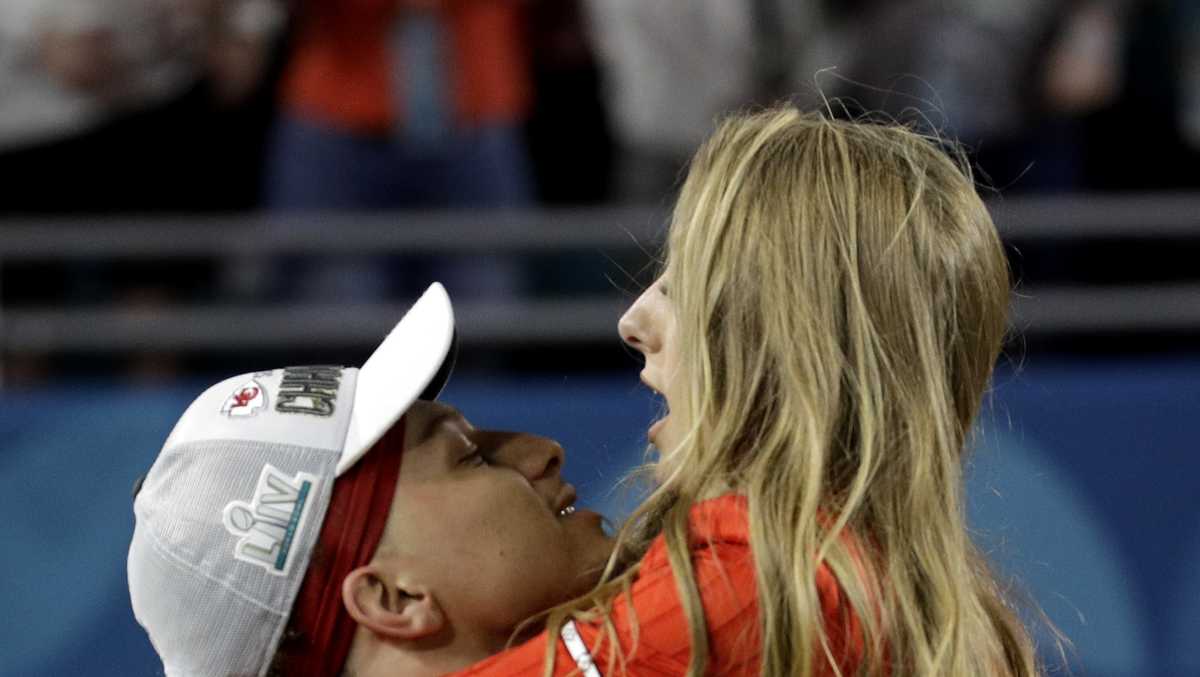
308,390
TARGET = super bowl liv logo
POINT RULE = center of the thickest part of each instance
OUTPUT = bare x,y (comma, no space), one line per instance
268,524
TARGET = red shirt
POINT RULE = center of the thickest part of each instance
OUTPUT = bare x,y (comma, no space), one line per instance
724,564
340,68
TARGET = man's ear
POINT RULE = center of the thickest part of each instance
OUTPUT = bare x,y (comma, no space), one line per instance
384,603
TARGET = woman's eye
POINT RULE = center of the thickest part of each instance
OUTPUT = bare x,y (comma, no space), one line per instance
662,288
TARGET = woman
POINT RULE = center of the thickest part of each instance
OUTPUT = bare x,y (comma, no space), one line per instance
833,300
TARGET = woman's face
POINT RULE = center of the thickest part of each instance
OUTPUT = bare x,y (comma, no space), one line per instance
649,326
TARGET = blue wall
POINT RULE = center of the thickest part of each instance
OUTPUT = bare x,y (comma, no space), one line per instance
1084,485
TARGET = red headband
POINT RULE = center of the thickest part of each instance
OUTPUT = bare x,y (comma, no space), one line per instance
362,500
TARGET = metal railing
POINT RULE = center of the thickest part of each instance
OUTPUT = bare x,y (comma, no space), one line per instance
1056,221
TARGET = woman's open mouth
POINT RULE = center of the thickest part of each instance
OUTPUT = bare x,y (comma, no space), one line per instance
657,426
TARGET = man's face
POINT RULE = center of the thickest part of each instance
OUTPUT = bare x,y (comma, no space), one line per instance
477,517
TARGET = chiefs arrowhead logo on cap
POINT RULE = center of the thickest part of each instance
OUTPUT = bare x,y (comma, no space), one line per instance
245,401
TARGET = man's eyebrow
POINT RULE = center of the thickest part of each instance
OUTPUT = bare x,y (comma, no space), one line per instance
434,422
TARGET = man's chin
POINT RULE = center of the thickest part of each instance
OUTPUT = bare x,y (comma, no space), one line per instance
592,574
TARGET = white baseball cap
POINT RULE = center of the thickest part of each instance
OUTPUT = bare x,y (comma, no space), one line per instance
227,517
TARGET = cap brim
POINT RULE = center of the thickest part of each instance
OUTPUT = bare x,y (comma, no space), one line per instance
413,362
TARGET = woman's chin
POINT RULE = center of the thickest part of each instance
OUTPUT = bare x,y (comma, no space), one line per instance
655,431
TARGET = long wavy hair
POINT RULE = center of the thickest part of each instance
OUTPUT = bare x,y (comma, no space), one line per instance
841,296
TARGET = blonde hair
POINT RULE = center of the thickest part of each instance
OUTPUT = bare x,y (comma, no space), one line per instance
841,296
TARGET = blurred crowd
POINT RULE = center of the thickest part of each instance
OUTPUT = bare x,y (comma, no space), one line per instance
136,106
139,105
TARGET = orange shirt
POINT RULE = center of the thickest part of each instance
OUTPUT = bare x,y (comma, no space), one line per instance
340,68
724,564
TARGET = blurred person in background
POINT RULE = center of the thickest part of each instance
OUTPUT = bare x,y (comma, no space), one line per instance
1189,15
570,143
1043,93
130,105
569,139
402,103
672,68
1145,137
1007,79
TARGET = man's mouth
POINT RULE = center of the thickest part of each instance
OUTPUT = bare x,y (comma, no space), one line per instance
564,503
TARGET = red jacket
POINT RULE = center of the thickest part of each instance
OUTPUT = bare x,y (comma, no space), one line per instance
724,565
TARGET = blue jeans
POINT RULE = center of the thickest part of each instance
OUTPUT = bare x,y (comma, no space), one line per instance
311,166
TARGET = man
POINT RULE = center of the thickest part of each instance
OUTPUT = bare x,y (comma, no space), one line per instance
320,520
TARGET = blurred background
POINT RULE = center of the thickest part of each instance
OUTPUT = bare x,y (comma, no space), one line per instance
191,189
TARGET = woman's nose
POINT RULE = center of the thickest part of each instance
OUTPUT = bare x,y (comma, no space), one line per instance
635,329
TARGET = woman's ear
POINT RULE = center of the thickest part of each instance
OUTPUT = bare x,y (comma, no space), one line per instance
389,606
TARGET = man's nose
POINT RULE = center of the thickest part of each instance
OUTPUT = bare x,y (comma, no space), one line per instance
533,456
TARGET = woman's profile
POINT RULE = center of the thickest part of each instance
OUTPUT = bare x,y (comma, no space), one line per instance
833,299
